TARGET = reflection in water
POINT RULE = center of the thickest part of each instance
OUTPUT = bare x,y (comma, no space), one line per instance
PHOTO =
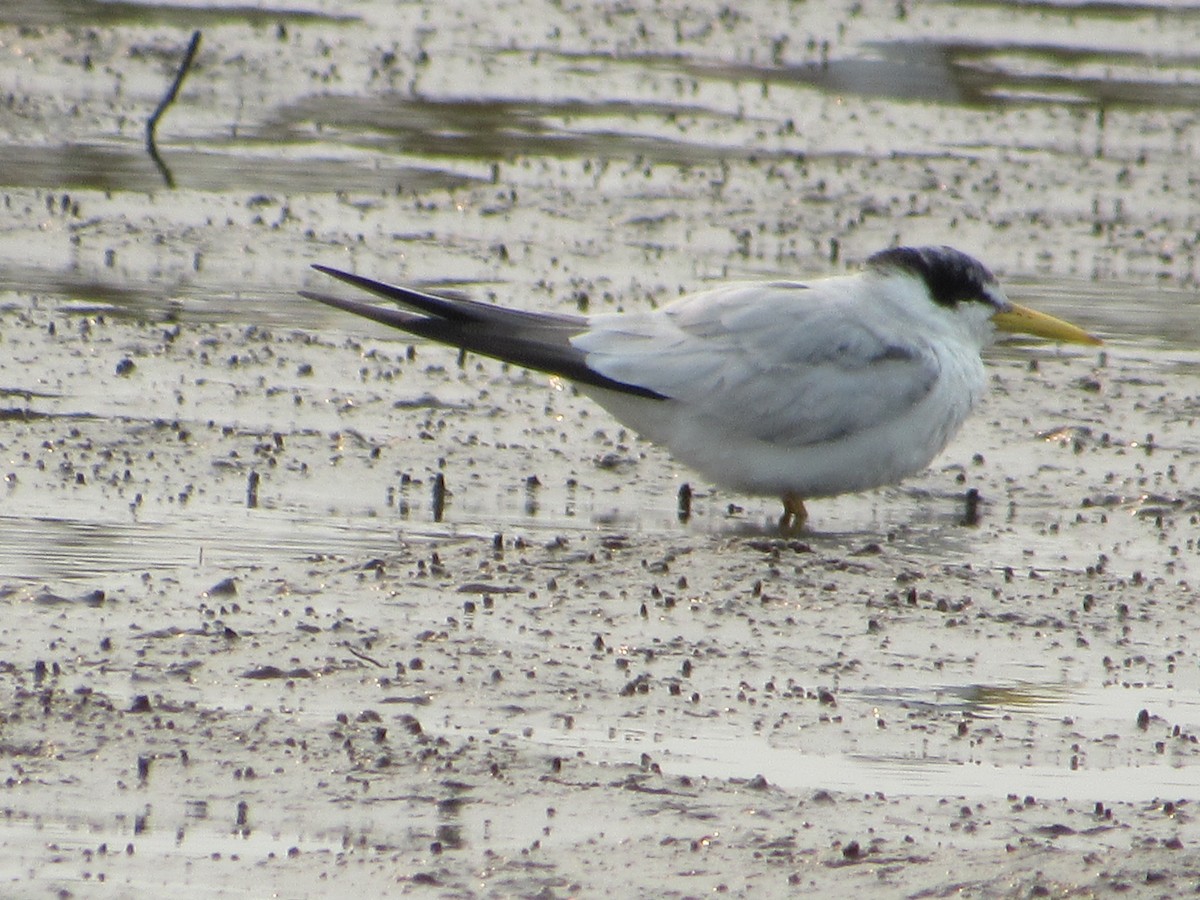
54,13
977,699
974,74
940,773
34,549
125,166
325,160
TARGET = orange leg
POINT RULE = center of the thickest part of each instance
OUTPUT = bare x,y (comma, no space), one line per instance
794,514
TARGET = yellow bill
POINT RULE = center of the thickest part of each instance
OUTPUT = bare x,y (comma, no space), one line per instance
1023,320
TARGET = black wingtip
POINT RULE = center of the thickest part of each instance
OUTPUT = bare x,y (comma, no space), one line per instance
539,341
350,278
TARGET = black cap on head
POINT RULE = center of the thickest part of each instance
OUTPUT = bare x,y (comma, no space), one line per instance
950,274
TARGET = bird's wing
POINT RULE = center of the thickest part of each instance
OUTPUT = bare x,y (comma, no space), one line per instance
539,341
787,363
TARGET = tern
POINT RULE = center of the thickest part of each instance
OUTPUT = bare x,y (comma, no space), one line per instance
793,389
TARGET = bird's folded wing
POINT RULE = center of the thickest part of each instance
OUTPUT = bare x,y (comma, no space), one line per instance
539,341
785,366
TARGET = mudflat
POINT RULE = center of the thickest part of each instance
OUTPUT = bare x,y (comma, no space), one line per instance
300,606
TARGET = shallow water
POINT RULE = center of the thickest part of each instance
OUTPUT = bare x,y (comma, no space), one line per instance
1154,336
958,773
572,633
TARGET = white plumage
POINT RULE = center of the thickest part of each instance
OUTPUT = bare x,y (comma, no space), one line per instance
797,390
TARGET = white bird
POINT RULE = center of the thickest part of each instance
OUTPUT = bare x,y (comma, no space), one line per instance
793,389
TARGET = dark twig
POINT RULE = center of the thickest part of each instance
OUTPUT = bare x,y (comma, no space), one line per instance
973,498
364,656
167,100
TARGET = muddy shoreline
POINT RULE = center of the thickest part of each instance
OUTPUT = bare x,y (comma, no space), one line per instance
245,655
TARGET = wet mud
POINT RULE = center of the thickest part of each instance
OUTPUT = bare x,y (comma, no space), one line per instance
299,606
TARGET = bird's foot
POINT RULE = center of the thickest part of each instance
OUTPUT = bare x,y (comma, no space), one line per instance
794,514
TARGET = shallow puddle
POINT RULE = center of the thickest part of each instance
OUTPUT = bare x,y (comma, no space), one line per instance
439,624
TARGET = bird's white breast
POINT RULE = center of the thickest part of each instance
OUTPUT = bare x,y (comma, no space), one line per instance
849,386
868,458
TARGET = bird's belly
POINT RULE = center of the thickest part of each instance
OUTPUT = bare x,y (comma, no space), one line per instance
855,463
867,458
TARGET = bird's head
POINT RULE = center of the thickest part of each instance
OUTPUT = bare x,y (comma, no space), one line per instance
960,283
